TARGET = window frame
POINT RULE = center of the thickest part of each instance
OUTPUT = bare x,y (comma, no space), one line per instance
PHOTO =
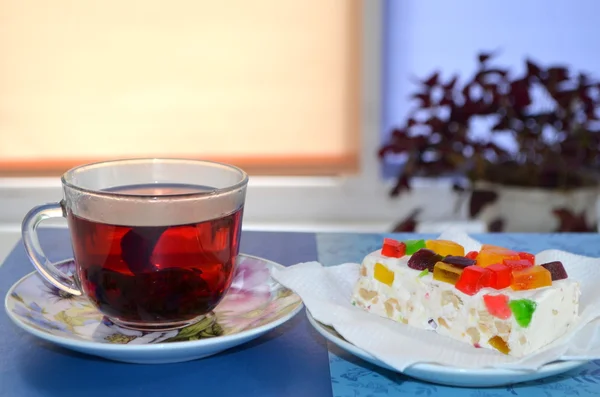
359,201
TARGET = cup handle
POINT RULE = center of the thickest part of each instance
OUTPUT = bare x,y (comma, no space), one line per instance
34,251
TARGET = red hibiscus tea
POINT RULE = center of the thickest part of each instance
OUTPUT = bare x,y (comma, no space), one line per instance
158,274
155,240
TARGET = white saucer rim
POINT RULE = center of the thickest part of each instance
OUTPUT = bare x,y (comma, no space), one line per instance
173,346
437,368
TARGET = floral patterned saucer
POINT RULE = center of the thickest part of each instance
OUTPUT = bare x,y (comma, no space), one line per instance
255,304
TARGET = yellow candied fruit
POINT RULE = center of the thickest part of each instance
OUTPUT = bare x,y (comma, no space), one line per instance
445,247
531,278
499,344
383,274
491,257
446,273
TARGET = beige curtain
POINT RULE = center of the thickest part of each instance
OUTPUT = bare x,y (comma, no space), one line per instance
266,83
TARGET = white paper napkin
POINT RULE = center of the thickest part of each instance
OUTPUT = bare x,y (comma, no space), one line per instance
327,291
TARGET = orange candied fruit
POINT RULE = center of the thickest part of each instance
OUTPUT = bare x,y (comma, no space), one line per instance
490,247
531,278
499,344
445,247
491,256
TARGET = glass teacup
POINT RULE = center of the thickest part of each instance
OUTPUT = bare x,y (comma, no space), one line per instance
155,241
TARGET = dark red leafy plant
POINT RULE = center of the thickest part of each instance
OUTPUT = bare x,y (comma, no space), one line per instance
550,114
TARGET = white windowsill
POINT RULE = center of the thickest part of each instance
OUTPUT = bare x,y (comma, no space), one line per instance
278,201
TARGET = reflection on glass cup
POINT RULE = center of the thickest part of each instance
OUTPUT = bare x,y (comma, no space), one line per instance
155,241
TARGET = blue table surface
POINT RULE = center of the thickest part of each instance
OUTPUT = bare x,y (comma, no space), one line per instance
292,360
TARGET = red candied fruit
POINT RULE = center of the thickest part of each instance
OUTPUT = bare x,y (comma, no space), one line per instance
497,305
517,264
472,279
472,255
501,276
527,257
392,248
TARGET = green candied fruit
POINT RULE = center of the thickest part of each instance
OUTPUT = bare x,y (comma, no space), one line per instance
424,273
413,246
523,310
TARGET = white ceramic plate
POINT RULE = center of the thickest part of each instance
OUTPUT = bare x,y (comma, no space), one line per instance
254,305
450,376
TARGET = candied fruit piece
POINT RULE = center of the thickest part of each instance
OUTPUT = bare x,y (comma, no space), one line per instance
531,278
499,344
424,259
528,257
518,264
472,255
413,246
523,310
556,269
472,279
424,273
392,248
490,247
460,261
490,257
445,247
501,276
497,305
446,273
383,274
